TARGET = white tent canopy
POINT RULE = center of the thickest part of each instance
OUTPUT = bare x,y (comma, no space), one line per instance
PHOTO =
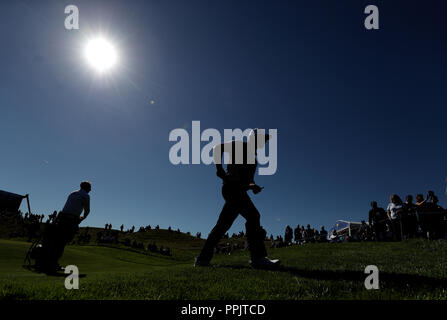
343,227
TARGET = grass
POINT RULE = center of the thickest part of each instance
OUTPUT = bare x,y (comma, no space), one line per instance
414,269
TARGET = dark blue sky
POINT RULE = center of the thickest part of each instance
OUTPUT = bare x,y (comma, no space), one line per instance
360,114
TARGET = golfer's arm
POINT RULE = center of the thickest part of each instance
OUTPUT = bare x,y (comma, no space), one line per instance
219,167
86,208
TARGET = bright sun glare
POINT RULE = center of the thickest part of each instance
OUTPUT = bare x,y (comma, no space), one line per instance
100,54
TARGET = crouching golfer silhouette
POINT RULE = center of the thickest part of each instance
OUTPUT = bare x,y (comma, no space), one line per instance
64,229
237,180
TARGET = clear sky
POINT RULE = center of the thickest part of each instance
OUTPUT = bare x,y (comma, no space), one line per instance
360,114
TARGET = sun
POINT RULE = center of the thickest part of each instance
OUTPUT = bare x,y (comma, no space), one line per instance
101,55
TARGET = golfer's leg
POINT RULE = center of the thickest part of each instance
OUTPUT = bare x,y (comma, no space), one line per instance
60,243
68,230
255,234
226,219
52,245
47,248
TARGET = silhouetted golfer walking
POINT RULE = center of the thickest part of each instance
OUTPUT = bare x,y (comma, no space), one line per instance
237,180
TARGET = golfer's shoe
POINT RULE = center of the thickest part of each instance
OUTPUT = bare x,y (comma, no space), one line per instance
201,263
265,263
49,268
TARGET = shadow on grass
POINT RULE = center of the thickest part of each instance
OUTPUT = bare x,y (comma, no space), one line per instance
396,279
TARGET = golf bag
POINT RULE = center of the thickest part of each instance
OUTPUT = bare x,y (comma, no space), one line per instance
40,250
47,250
33,253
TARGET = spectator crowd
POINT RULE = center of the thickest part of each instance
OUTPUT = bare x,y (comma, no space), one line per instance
403,220
400,220
424,218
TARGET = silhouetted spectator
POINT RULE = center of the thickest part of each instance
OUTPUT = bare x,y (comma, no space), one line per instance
434,204
378,221
309,234
421,202
316,236
395,210
297,234
288,235
323,234
410,220
436,222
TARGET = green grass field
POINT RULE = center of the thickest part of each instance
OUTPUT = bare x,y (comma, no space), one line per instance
415,269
